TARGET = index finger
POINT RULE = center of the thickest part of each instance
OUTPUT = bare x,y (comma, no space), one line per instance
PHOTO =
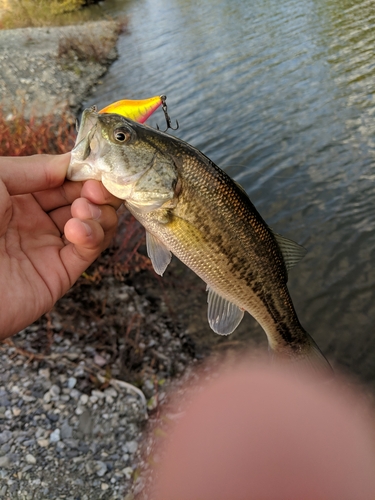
27,174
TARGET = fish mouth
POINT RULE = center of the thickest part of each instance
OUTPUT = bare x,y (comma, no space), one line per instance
81,166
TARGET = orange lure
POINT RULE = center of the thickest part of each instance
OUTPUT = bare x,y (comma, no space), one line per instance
137,110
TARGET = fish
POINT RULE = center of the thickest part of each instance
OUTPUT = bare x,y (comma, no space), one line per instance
194,210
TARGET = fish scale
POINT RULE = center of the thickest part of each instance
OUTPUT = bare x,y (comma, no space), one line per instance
193,209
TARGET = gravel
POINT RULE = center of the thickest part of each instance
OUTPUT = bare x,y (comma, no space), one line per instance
70,428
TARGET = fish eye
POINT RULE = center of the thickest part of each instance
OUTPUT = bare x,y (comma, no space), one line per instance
121,135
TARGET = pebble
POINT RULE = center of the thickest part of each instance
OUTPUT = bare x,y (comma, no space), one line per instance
43,443
128,472
55,436
132,446
101,468
55,390
72,382
66,431
30,459
84,399
4,462
5,436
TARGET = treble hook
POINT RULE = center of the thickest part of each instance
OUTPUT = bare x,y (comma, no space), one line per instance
166,115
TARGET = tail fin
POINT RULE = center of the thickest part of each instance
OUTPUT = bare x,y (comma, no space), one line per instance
315,360
310,359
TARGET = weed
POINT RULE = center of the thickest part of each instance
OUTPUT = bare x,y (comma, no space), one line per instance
20,136
86,48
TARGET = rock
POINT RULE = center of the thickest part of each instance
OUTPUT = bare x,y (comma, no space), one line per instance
71,382
86,423
128,472
132,446
66,431
4,462
99,360
55,436
5,436
84,399
55,390
30,459
44,372
101,468
47,397
43,443
4,401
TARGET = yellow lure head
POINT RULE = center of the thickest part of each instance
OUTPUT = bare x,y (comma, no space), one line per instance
136,110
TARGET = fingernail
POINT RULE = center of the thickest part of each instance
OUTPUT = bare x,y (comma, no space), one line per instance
88,229
95,211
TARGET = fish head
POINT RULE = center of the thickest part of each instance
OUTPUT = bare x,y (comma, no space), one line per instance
120,153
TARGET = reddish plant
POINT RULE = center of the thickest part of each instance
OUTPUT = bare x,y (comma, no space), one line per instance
20,136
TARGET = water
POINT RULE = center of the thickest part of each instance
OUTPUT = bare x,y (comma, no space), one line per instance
280,95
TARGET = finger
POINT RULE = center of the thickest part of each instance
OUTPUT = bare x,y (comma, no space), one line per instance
105,214
27,174
60,217
87,240
60,196
5,209
84,210
98,194
70,191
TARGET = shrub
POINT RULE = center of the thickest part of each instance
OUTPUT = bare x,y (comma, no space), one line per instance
20,136
87,48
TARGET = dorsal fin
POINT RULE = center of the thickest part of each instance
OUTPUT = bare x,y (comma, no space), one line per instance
292,251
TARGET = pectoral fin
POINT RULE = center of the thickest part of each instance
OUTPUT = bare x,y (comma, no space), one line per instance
159,254
223,316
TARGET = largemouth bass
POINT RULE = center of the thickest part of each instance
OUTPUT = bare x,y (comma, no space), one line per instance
191,208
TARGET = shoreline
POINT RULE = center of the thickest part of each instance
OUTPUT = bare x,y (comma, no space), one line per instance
41,73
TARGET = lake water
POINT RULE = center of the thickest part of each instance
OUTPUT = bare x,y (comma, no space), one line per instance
281,96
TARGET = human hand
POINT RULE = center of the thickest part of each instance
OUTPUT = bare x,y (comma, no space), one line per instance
51,230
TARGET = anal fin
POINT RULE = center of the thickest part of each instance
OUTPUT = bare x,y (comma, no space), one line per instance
159,254
223,315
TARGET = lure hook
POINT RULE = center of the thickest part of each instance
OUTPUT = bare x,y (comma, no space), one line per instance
166,115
